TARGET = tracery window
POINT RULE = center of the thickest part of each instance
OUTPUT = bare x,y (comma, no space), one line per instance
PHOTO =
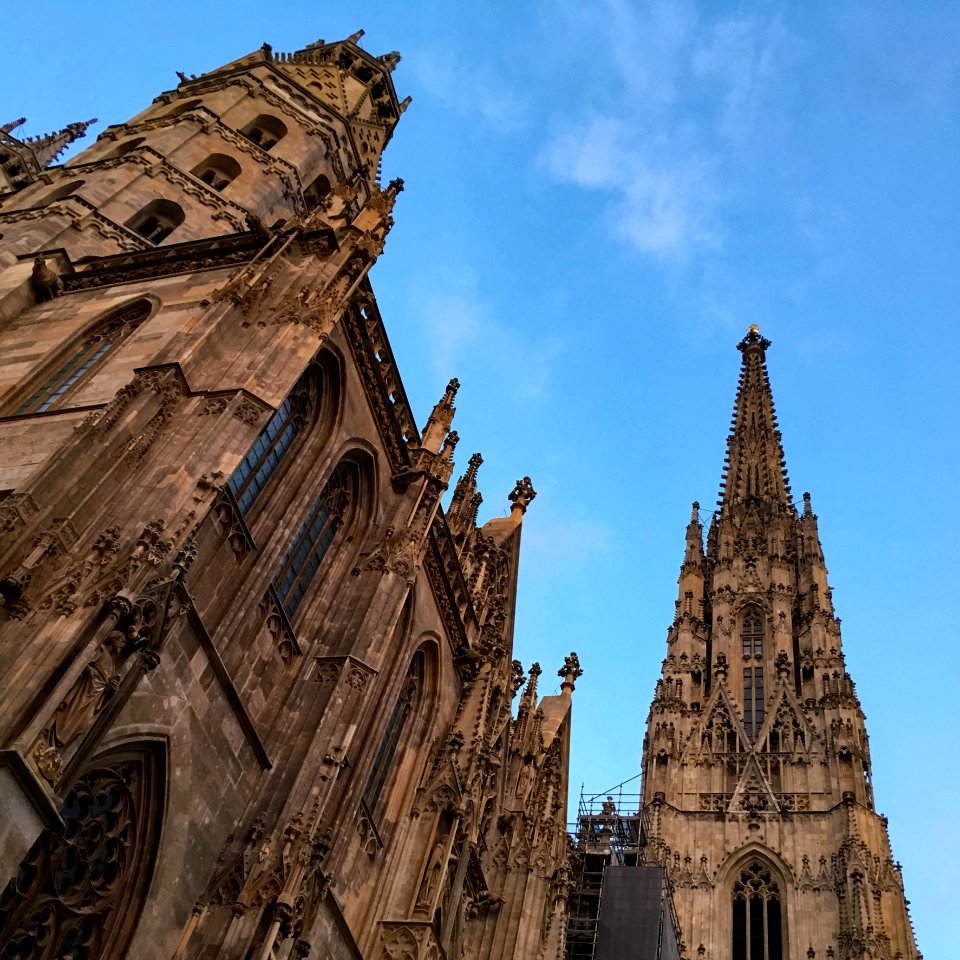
410,695
757,919
83,357
79,895
275,440
313,539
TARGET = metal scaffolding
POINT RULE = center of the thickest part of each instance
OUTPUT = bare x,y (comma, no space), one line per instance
637,918
608,831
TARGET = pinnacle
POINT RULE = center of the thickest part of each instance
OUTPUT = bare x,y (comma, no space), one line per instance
754,466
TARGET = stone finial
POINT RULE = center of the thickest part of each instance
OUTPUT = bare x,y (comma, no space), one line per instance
720,667
449,445
570,672
695,512
807,508
404,103
355,37
535,670
782,663
753,339
520,497
395,187
9,127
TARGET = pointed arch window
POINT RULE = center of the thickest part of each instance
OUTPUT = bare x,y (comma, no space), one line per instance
84,357
410,695
757,917
79,893
312,542
277,436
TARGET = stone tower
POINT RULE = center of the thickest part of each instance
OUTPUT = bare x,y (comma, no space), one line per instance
255,683
756,764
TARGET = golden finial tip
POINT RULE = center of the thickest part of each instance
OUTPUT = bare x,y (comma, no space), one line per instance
753,328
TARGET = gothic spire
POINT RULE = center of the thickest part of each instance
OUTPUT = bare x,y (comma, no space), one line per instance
47,148
754,467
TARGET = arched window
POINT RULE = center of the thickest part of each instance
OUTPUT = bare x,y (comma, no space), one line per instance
265,130
84,356
410,696
318,190
757,920
217,170
278,435
325,517
157,220
80,893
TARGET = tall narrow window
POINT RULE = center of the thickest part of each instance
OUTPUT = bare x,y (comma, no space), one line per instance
406,702
263,457
757,922
752,632
83,357
753,703
314,537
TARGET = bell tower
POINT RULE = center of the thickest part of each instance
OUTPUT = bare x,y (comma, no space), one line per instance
757,793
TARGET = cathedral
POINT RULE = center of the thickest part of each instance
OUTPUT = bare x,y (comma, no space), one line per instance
757,799
259,699
258,691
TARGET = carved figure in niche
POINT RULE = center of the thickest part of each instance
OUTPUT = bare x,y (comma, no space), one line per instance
434,873
523,780
85,699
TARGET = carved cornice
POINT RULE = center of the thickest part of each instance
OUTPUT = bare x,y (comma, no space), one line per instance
124,237
190,257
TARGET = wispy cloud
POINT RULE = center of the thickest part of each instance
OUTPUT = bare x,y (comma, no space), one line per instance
668,137
469,88
462,333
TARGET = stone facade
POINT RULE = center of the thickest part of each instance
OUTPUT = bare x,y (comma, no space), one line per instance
756,762
256,682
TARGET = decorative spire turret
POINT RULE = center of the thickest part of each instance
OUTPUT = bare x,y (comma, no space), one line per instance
10,127
441,419
466,500
754,467
47,149
529,697
693,553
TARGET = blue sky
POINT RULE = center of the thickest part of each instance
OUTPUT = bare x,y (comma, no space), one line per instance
600,198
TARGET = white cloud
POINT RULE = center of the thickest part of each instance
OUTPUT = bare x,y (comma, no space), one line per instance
668,136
